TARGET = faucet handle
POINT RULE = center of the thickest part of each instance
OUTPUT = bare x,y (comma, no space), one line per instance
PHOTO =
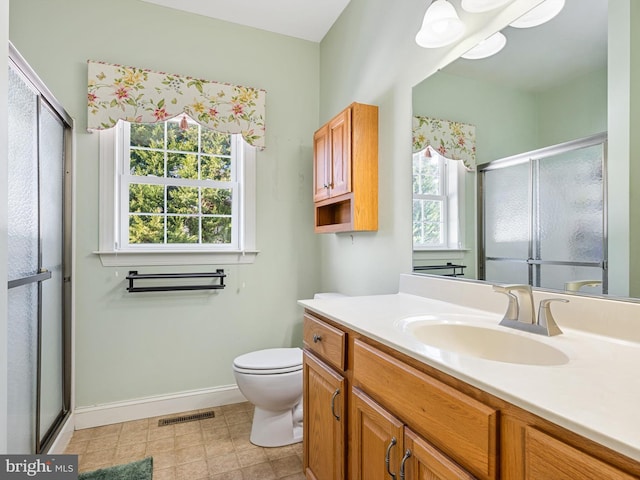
518,287
545,318
513,309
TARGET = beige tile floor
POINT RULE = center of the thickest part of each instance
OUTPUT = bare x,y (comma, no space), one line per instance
214,449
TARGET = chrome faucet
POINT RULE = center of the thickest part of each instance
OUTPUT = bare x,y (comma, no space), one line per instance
520,308
521,312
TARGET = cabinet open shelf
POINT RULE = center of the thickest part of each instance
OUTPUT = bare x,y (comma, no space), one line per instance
333,216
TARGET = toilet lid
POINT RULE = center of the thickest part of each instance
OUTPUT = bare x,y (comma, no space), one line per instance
270,359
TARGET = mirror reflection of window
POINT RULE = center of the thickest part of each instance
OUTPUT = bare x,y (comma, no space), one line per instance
436,204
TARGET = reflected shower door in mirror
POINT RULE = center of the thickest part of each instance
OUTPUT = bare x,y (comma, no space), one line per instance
543,218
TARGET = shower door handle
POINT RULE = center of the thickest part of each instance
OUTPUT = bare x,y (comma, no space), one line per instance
41,276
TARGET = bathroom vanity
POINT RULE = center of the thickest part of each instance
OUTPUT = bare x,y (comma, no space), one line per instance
394,387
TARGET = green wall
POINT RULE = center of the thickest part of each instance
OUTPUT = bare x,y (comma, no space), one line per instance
624,147
573,110
136,345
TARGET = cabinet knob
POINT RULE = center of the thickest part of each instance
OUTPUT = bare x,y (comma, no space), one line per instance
316,338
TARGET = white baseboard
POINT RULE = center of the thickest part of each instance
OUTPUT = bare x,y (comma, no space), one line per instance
109,413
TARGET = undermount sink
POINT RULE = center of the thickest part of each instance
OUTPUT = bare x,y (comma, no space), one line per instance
498,344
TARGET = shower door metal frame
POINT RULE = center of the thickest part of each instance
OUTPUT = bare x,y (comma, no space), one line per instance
533,158
45,99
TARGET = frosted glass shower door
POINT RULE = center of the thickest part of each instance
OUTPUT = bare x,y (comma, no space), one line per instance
38,316
570,245
543,220
23,260
52,311
506,206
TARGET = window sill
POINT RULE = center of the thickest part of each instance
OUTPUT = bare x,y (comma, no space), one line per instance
439,253
179,257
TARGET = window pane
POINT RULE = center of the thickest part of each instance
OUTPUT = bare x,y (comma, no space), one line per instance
216,201
428,226
216,230
182,140
182,200
215,142
146,163
180,209
146,229
216,168
146,198
427,175
147,135
182,229
181,165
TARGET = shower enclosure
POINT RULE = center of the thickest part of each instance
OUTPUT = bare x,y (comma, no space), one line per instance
543,217
39,262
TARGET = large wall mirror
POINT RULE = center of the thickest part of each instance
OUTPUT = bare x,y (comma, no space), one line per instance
548,86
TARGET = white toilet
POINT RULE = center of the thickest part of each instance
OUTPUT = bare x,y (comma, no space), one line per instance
272,380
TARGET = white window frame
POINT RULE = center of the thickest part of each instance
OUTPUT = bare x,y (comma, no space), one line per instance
114,191
453,198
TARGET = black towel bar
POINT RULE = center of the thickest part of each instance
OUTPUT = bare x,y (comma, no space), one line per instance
134,275
456,270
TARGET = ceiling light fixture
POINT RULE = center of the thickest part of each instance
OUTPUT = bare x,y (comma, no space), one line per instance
479,6
441,26
487,47
539,15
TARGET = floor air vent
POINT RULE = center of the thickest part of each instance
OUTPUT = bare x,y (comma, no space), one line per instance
185,418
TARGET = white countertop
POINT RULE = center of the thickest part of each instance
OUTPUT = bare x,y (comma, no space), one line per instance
596,394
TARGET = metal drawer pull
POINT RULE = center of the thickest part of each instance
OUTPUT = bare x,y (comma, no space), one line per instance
316,338
333,404
407,454
386,457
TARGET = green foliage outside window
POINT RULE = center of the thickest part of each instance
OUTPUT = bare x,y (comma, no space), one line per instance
428,201
175,213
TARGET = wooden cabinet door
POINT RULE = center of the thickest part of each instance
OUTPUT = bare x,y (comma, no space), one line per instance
376,440
424,462
340,153
324,421
548,457
321,164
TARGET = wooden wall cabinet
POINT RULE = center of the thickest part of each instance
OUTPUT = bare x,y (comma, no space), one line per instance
345,171
454,431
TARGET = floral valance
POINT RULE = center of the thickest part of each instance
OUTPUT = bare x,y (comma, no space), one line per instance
452,140
136,95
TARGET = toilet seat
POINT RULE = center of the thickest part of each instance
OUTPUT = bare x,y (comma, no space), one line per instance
271,361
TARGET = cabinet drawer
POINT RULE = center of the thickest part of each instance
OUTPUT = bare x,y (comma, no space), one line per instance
547,457
325,341
460,426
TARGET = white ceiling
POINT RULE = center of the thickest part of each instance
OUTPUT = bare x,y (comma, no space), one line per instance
305,19
571,44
